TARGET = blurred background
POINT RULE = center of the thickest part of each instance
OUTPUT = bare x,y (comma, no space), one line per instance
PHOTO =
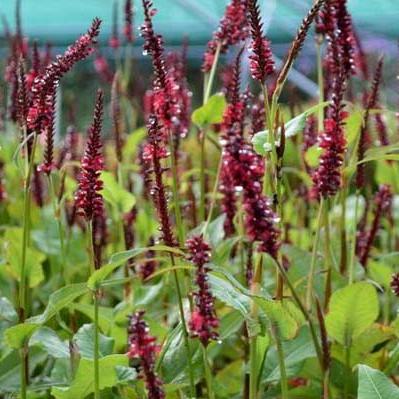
58,23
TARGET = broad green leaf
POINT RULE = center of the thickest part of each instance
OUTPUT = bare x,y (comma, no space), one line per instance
380,273
58,300
84,340
125,374
115,194
211,112
312,156
295,351
115,261
215,231
373,384
280,315
352,310
132,142
7,311
174,357
48,340
296,125
83,383
17,336
13,256
10,368
228,294
228,381
352,126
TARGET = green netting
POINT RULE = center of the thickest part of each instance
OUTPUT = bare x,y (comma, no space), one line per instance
60,21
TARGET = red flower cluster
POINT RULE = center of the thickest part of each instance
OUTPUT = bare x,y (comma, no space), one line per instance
88,199
143,346
203,321
48,158
162,99
242,171
128,28
45,84
383,205
395,284
327,178
372,101
114,41
261,64
155,152
233,28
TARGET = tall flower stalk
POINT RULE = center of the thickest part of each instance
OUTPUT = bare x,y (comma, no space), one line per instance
203,321
155,152
89,202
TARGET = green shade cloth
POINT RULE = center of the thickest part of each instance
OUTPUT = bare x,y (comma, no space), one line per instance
60,21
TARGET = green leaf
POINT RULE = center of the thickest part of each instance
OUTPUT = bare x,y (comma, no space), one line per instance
116,260
48,340
125,374
115,194
312,155
84,339
7,311
373,384
211,112
83,384
296,125
380,273
295,351
13,256
58,300
17,336
280,315
352,310
228,294
10,368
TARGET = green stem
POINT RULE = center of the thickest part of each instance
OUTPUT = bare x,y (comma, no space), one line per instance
24,283
327,256
253,358
208,83
208,373
184,326
305,313
253,372
57,217
348,371
280,354
353,247
212,73
175,190
311,274
96,294
213,200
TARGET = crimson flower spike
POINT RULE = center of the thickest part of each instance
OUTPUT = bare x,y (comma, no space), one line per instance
48,163
155,152
261,64
128,28
383,205
142,346
233,28
45,83
88,199
203,323
164,103
327,178
116,117
363,140
114,39
345,36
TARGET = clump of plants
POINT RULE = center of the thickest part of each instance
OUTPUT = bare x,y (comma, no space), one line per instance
241,249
